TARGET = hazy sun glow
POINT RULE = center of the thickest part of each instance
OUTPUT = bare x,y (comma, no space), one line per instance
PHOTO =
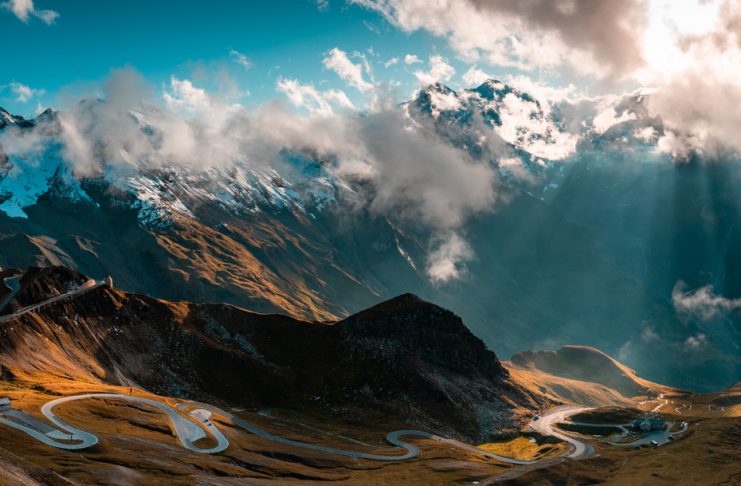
669,23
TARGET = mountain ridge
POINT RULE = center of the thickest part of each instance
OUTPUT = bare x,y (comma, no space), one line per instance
425,364
540,268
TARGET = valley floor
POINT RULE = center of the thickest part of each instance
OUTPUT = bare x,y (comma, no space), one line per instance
138,446
72,337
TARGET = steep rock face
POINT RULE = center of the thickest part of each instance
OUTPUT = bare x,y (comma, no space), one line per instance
405,359
411,350
413,333
9,120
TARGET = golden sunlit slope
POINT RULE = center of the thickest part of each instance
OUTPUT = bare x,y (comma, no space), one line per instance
268,262
581,375
707,455
566,390
137,447
402,364
722,403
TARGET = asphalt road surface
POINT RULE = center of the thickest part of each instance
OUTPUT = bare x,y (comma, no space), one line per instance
544,425
88,286
191,422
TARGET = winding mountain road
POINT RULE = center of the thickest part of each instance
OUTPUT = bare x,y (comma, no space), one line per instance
86,287
193,428
544,425
191,422
185,430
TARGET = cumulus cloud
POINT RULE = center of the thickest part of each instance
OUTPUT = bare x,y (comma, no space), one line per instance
595,36
314,100
421,177
693,49
131,129
412,59
688,51
391,62
23,93
702,112
440,71
702,303
543,92
474,76
185,96
348,71
695,343
386,162
446,261
240,59
25,9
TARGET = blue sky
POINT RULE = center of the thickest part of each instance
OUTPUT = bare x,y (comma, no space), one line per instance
55,50
189,40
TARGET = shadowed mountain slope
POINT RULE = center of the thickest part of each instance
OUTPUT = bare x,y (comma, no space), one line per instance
405,358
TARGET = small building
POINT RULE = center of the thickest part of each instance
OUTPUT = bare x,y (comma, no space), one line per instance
657,423
647,424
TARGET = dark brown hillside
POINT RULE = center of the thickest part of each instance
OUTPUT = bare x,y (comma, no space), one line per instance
405,359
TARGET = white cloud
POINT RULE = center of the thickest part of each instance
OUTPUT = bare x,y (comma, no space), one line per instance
592,36
193,128
692,50
349,72
649,335
440,71
315,101
701,110
23,93
526,126
447,261
412,59
541,91
701,303
240,59
474,76
391,62
443,101
646,134
185,96
386,163
24,9
607,115
689,51
421,177
696,342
